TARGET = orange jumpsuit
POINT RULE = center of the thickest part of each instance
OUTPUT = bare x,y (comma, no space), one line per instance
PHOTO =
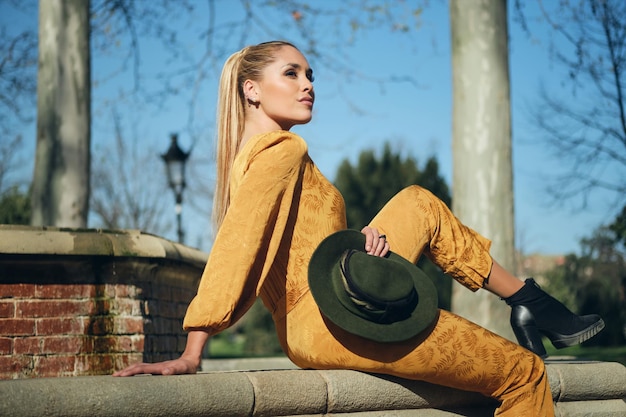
281,208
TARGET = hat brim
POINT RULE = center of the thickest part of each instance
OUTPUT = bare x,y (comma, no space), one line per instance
327,256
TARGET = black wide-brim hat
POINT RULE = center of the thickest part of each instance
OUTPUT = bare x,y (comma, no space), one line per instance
386,299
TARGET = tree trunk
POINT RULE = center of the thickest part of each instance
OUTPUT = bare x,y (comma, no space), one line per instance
481,145
60,193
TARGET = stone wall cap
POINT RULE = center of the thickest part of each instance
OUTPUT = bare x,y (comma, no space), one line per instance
44,240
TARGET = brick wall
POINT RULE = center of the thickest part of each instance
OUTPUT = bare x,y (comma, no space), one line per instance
68,330
85,315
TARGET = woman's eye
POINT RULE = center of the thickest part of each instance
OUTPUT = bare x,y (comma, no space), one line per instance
291,74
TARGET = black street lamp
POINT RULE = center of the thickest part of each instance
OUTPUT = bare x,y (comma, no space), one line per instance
175,160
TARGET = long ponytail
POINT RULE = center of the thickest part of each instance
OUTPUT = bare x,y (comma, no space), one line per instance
247,64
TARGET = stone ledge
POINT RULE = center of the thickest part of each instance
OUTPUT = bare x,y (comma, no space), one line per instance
578,388
29,240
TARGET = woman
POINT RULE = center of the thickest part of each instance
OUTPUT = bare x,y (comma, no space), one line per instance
273,208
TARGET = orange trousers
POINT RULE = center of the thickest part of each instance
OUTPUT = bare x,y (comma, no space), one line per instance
453,352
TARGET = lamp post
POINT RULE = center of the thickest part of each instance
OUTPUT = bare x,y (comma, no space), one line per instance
175,160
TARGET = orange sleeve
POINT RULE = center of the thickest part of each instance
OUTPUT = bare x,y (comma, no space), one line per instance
248,239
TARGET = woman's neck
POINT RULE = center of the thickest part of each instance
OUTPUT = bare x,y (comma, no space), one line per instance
257,127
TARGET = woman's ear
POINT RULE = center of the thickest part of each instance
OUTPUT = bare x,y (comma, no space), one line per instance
249,92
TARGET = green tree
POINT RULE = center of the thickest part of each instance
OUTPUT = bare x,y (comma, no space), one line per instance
14,207
618,227
367,186
14,203
595,282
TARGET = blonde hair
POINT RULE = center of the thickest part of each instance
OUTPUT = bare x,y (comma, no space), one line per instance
247,64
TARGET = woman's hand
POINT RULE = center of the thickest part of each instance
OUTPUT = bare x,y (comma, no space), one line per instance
178,366
188,363
375,243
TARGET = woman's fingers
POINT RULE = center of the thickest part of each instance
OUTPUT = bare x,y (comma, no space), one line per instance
375,243
173,367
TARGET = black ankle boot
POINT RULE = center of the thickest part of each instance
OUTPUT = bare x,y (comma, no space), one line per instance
534,313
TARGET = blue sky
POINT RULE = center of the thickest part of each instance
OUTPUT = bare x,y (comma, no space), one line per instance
353,112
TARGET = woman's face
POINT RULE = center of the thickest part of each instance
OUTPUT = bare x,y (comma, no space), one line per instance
285,92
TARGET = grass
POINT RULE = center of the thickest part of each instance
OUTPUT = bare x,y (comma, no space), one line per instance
594,353
224,347
228,347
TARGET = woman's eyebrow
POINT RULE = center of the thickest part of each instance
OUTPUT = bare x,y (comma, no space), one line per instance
298,66
308,71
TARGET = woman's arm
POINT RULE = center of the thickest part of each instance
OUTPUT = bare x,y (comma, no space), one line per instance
188,362
264,187
244,249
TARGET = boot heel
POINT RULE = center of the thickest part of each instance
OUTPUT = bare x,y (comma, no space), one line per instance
526,330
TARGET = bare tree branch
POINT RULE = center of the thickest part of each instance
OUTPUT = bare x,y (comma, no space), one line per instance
123,30
8,162
123,196
587,133
18,80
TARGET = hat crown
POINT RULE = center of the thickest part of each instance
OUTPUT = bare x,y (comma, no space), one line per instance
379,278
378,289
